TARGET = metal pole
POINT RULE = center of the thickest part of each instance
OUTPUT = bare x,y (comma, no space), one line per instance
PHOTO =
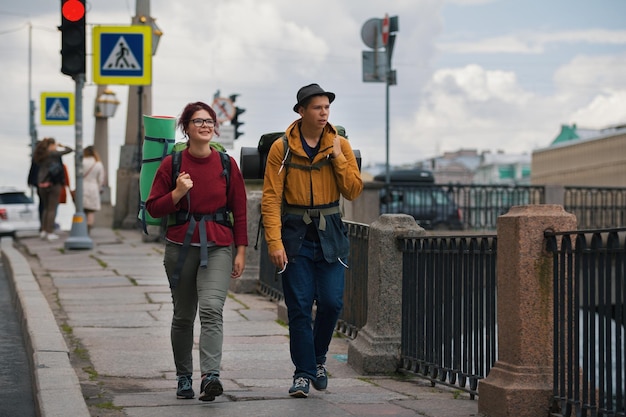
387,173
139,127
79,237
31,104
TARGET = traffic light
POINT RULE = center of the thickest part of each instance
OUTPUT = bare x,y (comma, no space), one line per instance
235,121
72,37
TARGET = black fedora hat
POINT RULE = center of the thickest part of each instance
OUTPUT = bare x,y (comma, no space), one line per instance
310,91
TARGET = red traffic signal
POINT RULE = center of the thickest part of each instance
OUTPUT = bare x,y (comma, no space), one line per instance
73,49
73,10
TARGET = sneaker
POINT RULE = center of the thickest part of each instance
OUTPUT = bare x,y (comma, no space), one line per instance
321,381
300,387
52,236
210,388
43,235
184,390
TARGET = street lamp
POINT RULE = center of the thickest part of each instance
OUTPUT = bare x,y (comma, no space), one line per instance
156,35
106,104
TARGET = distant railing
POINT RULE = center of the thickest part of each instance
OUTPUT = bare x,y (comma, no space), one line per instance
482,204
589,319
475,207
457,206
596,207
449,330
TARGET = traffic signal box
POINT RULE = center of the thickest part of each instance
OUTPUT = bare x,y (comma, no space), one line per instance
235,121
73,37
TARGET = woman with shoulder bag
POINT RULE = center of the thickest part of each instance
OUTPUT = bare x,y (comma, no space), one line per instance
93,180
50,180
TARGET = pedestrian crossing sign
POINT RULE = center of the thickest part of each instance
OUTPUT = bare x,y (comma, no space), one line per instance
122,55
57,108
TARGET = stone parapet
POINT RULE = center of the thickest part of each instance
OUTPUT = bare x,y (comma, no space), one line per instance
377,347
248,281
520,383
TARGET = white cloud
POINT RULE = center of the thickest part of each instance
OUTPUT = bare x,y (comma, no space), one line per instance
532,42
471,107
604,110
584,76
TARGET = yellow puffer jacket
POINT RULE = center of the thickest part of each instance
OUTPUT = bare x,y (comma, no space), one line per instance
306,188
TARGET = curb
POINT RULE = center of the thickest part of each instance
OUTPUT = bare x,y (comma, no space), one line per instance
56,386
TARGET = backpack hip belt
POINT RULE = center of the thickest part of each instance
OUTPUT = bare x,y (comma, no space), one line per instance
308,213
221,216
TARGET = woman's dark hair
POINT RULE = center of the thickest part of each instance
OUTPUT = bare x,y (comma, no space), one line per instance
190,109
41,149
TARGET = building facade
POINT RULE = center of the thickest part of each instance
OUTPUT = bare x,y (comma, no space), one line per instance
582,157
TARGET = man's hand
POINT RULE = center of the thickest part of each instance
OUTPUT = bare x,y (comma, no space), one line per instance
336,146
279,258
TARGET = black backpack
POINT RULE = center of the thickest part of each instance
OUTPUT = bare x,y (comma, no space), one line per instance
56,174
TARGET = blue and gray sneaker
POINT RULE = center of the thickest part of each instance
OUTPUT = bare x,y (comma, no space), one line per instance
321,381
184,390
210,388
300,387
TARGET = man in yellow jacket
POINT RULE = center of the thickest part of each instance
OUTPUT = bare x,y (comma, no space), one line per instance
306,237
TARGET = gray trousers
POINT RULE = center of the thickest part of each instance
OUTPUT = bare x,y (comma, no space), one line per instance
204,291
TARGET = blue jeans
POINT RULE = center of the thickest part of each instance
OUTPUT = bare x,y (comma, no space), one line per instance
307,278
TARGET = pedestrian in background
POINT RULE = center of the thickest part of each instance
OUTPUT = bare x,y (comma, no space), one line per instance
33,182
93,181
50,180
307,240
66,183
204,249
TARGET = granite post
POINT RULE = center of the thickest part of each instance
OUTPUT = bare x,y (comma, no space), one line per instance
376,348
248,281
520,383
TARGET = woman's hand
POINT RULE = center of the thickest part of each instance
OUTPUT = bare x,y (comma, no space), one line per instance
183,185
239,262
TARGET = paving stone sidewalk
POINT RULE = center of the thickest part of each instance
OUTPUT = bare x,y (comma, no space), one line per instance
113,307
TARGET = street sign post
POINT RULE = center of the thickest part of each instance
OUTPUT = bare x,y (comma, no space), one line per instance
226,137
57,108
385,29
379,33
374,66
122,55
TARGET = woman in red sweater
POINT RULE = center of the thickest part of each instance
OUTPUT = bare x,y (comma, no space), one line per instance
204,249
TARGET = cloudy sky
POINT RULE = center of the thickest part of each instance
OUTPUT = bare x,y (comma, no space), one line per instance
480,74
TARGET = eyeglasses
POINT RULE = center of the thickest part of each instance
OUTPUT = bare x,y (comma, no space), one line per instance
200,122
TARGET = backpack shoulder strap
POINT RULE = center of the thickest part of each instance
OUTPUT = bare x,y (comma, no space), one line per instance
226,169
177,157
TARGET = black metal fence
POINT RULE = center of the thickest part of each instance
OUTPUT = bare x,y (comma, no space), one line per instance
270,282
449,330
354,314
589,318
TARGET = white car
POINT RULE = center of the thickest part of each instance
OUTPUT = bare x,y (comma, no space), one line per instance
18,213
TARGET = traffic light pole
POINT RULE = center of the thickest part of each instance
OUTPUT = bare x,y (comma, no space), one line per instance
79,237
